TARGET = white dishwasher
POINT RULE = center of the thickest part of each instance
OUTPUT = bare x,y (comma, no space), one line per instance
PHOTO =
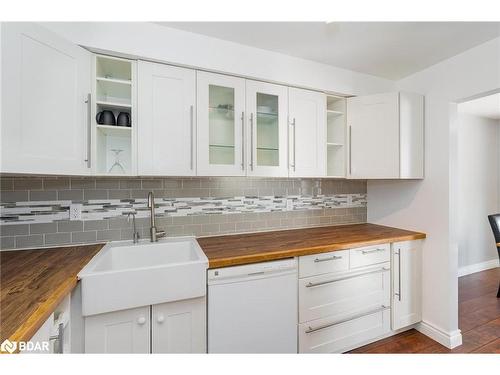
253,308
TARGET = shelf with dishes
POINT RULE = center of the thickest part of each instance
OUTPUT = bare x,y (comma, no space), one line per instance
114,110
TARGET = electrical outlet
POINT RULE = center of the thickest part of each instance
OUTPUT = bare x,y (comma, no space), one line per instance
75,211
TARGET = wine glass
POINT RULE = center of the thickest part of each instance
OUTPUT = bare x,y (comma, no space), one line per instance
117,167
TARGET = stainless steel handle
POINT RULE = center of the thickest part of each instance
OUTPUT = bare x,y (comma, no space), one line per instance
335,257
381,308
399,275
294,146
251,141
243,140
88,101
191,124
350,150
58,339
364,252
312,285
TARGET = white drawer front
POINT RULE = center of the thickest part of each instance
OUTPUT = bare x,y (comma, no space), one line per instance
337,336
366,256
317,264
344,294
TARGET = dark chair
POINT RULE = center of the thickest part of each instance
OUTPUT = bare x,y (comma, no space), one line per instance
495,227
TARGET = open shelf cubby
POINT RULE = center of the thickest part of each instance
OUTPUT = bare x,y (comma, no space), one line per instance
335,136
114,91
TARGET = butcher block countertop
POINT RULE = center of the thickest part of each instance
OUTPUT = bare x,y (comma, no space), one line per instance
231,250
33,283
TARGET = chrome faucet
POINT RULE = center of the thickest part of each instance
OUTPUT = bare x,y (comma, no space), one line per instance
155,234
135,235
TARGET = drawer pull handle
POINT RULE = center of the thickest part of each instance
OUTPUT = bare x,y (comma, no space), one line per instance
312,285
335,257
381,308
364,252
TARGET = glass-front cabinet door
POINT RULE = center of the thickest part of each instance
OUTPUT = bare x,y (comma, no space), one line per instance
267,109
221,123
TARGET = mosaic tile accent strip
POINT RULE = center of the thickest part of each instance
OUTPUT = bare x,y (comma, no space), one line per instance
99,209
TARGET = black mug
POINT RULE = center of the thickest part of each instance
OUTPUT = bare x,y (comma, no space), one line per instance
105,118
123,119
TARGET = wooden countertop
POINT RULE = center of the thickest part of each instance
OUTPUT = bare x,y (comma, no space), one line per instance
33,283
230,250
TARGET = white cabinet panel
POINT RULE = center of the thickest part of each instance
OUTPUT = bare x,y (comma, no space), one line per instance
337,295
126,331
267,111
166,110
337,336
307,133
220,125
179,327
317,264
373,123
407,284
45,83
411,133
366,256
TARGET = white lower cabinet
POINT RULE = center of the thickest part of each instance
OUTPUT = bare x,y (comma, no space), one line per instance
179,327
340,295
337,336
126,331
407,284
352,297
174,327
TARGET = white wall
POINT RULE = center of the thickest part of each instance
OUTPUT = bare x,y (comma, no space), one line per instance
430,205
155,42
478,173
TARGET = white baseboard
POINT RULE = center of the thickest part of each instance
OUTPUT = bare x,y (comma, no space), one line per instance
448,339
478,267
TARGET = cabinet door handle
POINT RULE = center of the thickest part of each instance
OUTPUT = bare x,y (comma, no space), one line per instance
243,140
312,285
364,252
350,150
334,257
251,141
294,143
141,320
88,101
191,131
399,275
381,308
160,318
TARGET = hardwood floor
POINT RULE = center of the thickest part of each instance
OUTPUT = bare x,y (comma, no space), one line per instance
478,318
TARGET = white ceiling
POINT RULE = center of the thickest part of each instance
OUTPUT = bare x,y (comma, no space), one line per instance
386,49
487,106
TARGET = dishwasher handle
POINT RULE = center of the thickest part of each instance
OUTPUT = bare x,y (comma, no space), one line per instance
252,271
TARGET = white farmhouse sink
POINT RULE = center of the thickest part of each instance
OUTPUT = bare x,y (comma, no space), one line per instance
124,275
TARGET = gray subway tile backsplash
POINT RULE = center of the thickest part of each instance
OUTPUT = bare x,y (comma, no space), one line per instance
34,210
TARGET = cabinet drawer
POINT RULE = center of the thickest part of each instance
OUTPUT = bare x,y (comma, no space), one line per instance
317,264
337,295
366,256
339,335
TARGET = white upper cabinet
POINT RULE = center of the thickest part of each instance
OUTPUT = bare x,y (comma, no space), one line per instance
166,112
386,136
407,283
307,135
220,125
267,111
45,107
